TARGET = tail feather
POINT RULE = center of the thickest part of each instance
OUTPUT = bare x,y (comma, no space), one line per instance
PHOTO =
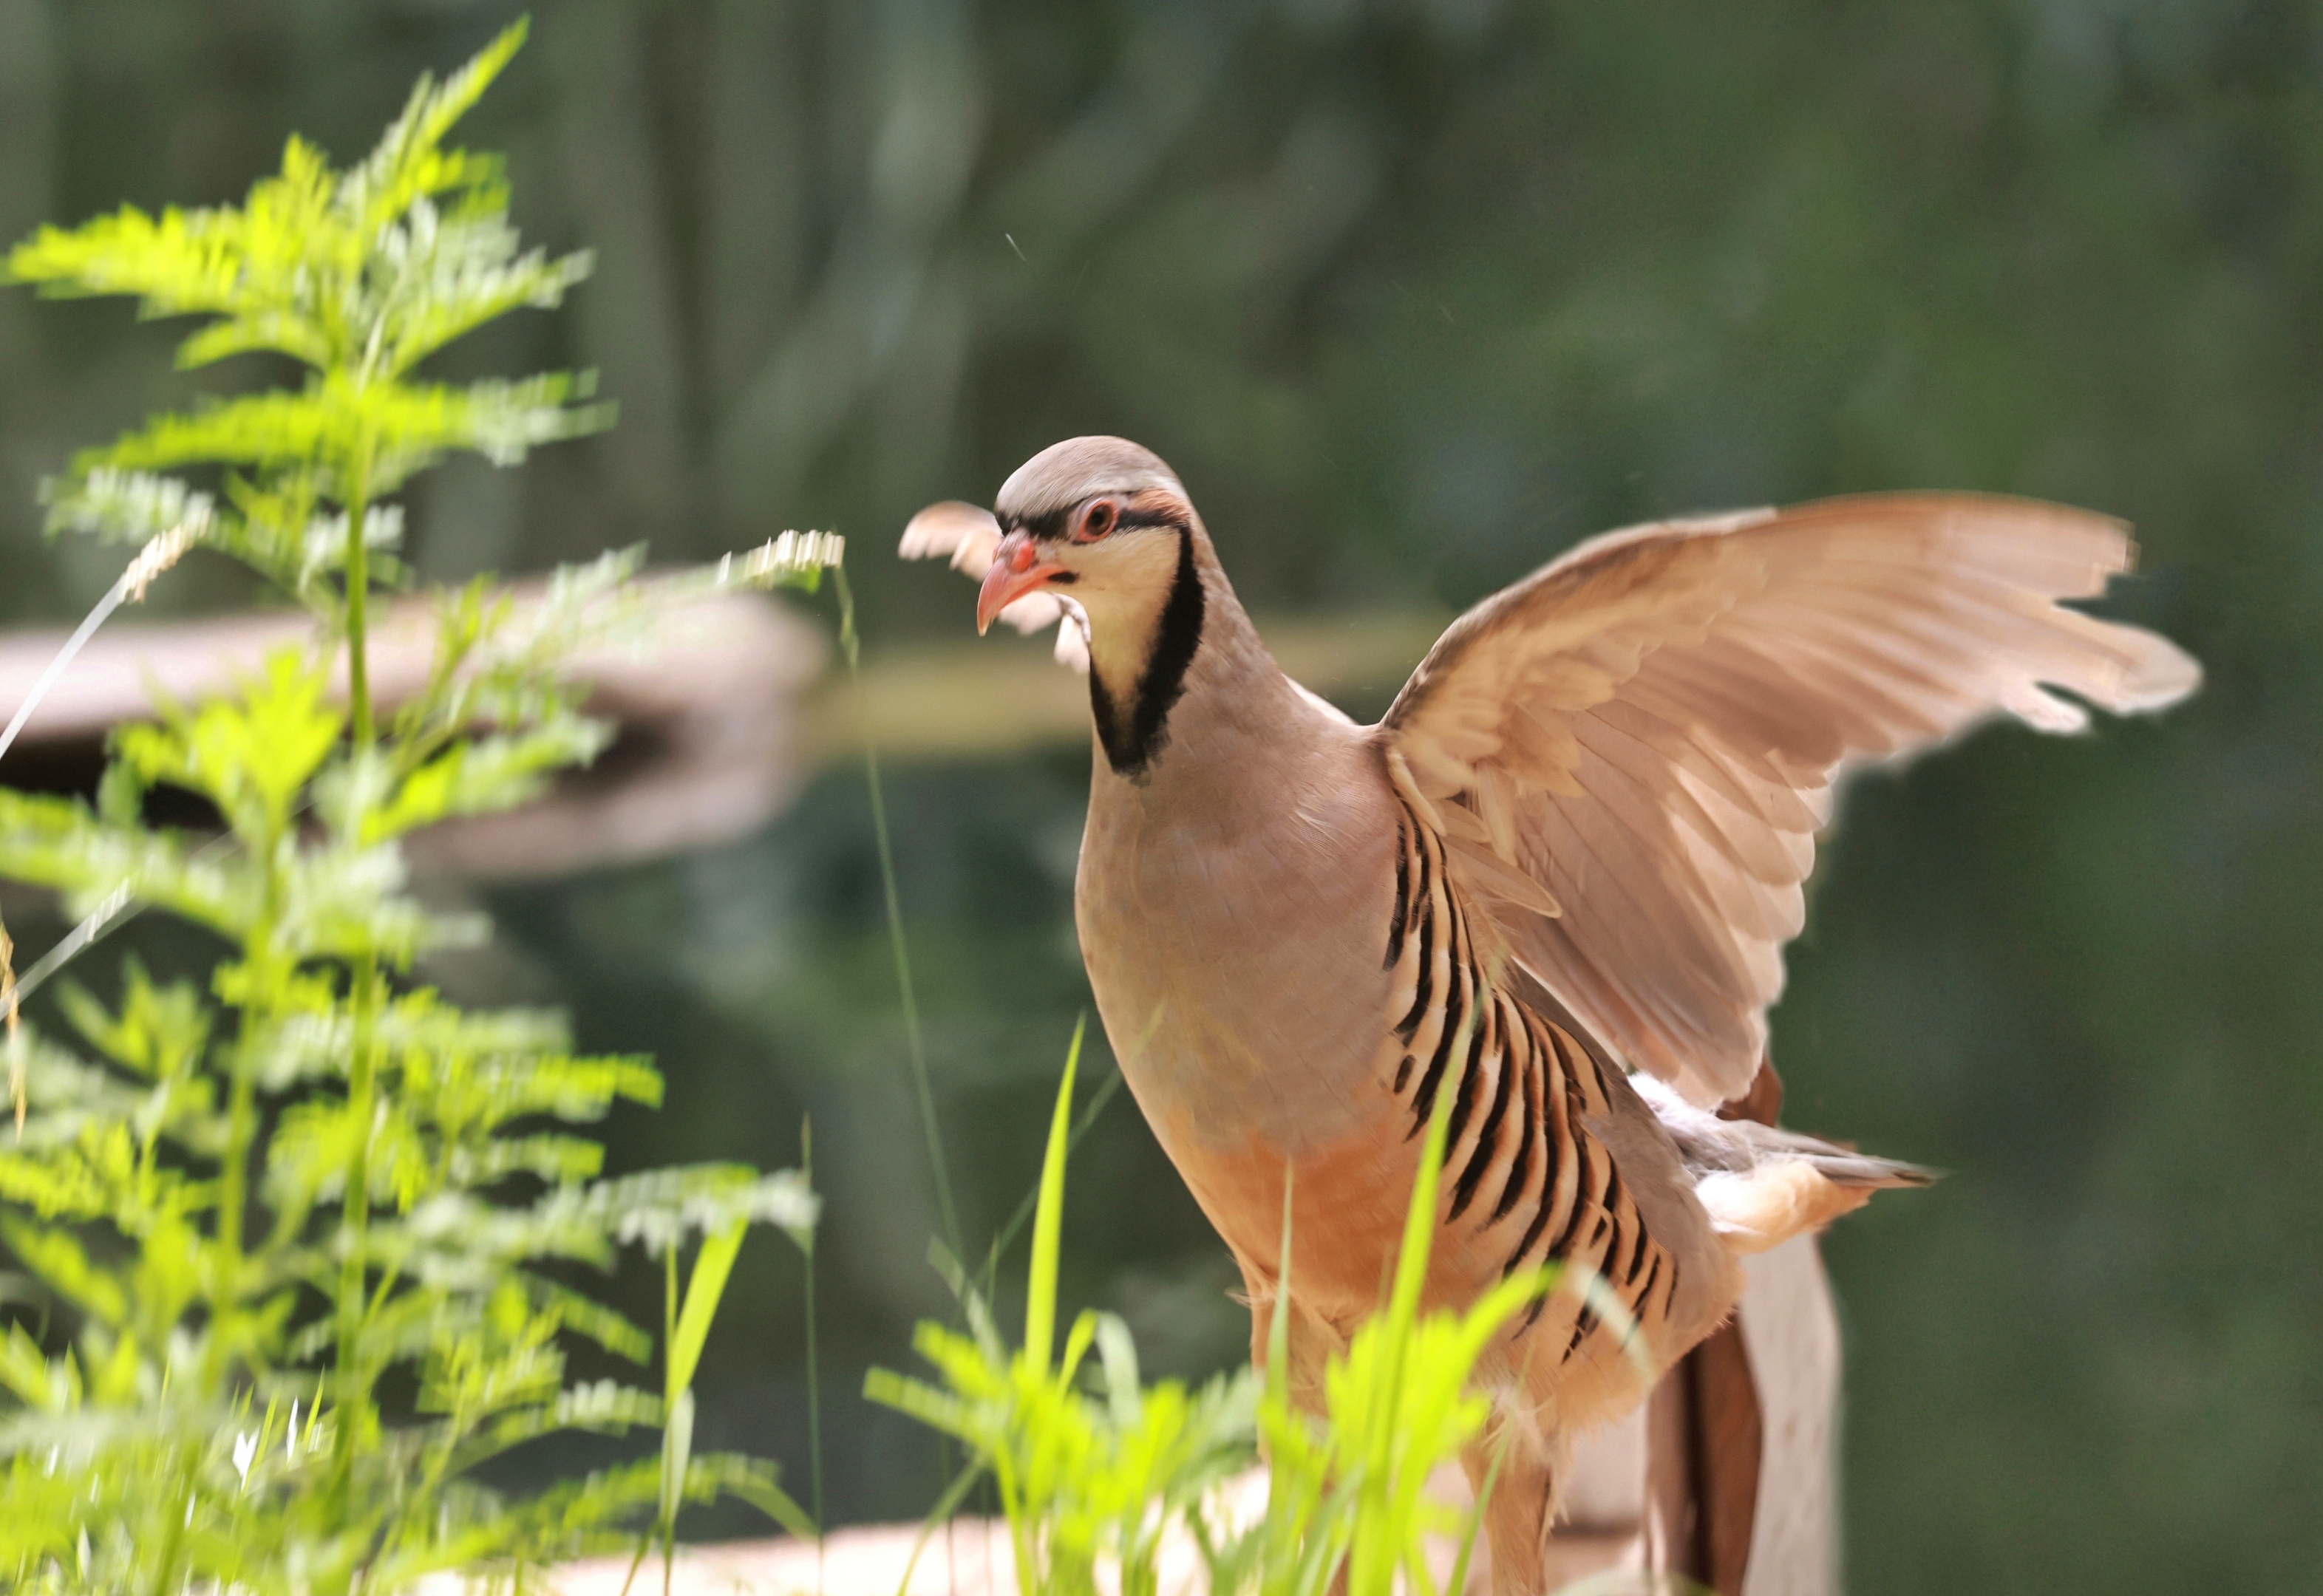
1762,1185
1843,1168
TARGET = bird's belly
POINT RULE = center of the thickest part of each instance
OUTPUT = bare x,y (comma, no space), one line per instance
1349,1198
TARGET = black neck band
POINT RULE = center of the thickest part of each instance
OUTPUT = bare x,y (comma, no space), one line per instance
1130,748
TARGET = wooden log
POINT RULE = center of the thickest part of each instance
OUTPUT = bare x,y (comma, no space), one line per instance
709,727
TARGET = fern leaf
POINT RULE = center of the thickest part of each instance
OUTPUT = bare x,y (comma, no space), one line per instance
57,1257
58,842
408,426
660,1207
488,773
443,276
123,506
408,163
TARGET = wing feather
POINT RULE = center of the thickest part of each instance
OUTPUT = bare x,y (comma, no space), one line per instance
1739,886
1649,729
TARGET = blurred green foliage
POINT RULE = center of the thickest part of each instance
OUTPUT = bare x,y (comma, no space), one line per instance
1414,294
329,1184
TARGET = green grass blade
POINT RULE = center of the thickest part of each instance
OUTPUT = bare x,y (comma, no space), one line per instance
775,1503
702,1291
1457,1584
1419,1218
1277,1322
1048,1218
677,1451
1395,1325
1105,1092
946,1505
813,1368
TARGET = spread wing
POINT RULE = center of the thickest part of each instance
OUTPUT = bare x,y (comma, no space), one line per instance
965,535
1629,752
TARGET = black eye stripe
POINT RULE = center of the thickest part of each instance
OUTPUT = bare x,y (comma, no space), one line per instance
1130,519
1047,527
1050,525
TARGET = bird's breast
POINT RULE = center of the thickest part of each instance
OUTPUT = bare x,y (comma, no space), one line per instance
1231,933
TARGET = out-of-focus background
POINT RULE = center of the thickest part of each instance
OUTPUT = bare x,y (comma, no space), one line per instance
1414,294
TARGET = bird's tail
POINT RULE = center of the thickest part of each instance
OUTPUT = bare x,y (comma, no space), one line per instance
1842,1166
1763,1184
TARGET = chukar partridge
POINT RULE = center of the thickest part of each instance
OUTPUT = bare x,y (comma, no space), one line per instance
1552,885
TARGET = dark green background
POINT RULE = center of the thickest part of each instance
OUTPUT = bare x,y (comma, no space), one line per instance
1414,295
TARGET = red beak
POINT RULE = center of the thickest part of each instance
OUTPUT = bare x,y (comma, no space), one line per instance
1017,569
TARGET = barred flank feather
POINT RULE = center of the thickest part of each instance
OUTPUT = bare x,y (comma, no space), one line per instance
1524,1093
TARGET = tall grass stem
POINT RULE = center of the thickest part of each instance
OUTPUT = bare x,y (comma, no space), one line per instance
97,617
158,555
850,645
813,1367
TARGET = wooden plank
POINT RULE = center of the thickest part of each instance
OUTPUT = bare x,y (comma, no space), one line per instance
708,748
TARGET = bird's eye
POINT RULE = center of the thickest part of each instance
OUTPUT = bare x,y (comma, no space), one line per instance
1099,519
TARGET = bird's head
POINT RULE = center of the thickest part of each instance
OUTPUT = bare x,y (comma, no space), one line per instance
1095,533
1098,520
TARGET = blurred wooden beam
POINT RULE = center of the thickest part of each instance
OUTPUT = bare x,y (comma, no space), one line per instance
1003,694
717,729
706,746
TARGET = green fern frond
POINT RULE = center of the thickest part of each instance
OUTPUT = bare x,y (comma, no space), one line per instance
275,1194
409,164
123,506
160,1032
660,1208
406,427
331,270
61,843
489,774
